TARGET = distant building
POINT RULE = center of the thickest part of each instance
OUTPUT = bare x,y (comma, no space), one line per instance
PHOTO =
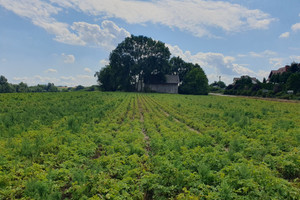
279,71
170,86
253,79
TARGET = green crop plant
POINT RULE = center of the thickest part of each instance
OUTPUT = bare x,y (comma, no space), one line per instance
98,145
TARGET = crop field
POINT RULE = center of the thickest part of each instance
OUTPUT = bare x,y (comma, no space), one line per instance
94,145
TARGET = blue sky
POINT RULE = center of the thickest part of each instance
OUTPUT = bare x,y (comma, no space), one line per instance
66,41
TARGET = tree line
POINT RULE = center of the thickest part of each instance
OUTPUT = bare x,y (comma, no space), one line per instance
140,58
283,85
6,87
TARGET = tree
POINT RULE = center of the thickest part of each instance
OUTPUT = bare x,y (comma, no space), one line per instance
51,88
219,84
136,58
5,87
22,87
106,79
295,67
195,82
139,58
264,81
3,80
180,67
79,87
293,82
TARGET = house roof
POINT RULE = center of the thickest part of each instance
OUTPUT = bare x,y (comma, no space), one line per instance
279,71
172,79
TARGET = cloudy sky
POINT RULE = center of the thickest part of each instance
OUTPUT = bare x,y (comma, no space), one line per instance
66,41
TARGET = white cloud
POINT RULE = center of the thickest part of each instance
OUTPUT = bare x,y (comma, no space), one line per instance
217,64
68,58
295,58
107,36
79,33
241,55
103,62
196,17
85,77
296,27
285,35
216,61
276,62
87,70
266,53
70,81
40,13
36,80
67,78
85,80
3,60
51,71
20,78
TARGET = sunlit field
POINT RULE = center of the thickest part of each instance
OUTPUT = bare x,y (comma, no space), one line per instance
96,145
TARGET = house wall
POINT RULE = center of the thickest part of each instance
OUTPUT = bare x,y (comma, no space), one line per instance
163,88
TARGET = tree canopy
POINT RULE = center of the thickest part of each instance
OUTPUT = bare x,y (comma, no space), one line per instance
142,58
136,58
195,82
6,87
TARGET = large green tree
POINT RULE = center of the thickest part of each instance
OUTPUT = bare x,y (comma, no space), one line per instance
136,58
5,87
194,82
293,82
180,67
142,58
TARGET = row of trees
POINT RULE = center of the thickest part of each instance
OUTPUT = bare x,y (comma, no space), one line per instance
289,80
139,58
6,87
277,86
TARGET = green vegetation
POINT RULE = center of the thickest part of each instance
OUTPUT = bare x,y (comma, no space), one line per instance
94,145
139,58
280,85
217,87
6,87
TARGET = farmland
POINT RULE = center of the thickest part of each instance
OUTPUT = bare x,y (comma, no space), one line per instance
94,145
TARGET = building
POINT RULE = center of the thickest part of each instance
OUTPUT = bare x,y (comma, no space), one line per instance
279,71
170,86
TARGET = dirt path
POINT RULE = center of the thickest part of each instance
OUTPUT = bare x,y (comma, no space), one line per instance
259,98
146,137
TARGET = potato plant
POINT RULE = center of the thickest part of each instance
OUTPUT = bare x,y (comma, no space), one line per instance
94,145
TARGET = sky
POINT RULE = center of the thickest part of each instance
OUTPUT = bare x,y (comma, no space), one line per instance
66,41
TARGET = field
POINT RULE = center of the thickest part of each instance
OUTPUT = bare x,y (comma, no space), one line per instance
93,145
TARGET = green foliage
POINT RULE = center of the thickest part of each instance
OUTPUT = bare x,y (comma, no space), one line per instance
293,82
195,82
136,56
217,87
278,85
139,58
95,145
6,87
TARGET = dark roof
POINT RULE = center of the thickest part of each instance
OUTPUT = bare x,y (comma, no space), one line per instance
172,79
279,71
